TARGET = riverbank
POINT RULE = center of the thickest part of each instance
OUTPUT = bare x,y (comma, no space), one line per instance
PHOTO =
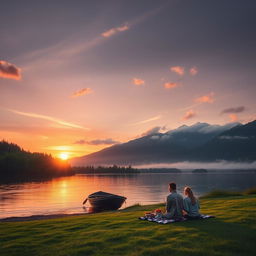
39,217
232,232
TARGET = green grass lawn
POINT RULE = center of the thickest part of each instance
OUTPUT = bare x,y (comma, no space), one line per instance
232,232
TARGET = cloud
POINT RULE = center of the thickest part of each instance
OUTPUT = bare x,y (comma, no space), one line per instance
148,120
189,114
190,106
123,28
178,70
81,92
108,141
206,98
63,51
233,118
203,99
138,81
160,137
233,110
170,85
8,70
193,71
49,118
113,31
217,128
154,130
109,32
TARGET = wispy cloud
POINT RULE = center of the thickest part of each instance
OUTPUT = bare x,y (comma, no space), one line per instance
178,70
8,70
170,85
209,98
193,71
138,81
189,114
81,92
148,120
115,30
68,48
109,32
233,110
154,130
48,118
108,141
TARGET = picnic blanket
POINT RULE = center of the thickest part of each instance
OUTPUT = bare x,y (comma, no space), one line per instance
167,221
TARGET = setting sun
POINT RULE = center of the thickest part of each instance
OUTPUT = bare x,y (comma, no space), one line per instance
63,156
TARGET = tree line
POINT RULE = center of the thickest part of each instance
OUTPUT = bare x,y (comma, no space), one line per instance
105,169
17,164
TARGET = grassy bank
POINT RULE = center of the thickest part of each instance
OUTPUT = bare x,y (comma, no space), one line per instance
232,232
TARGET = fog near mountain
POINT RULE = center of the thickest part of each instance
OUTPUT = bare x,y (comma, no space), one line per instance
192,136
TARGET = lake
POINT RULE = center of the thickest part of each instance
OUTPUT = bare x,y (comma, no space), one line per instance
66,194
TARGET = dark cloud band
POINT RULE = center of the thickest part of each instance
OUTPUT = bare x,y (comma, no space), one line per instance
233,110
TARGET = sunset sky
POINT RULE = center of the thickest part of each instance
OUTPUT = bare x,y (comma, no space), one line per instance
78,76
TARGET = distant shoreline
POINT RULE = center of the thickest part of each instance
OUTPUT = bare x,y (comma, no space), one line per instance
137,172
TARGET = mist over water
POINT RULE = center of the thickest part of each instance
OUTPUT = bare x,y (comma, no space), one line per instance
221,165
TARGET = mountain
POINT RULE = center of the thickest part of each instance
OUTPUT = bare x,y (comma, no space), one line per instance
237,144
186,143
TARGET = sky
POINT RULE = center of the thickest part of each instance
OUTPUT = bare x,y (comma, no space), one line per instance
78,76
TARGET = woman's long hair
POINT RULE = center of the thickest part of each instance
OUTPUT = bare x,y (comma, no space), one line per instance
188,192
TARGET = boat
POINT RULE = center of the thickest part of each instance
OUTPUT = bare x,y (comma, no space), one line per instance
105,201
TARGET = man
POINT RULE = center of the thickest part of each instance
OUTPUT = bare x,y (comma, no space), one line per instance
174,203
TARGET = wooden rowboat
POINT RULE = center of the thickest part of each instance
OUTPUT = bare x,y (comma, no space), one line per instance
105,201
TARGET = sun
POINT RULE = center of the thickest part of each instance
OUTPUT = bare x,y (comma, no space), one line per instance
63,156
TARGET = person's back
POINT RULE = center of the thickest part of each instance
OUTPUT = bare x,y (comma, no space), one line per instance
191,209
191,204
174,203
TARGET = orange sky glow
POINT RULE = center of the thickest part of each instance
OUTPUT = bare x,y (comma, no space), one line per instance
93,76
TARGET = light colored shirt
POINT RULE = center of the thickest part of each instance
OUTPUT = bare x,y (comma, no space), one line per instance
192,210
174,205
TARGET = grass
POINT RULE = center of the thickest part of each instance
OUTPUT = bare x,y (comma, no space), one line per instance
232,232
225,193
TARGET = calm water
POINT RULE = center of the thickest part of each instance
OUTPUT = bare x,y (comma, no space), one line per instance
65,195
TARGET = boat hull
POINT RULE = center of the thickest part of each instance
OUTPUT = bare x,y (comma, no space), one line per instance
105,201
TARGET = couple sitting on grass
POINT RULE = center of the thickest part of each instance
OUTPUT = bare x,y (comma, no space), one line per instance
178,207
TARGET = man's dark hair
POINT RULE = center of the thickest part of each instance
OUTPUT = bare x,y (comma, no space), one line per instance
172,186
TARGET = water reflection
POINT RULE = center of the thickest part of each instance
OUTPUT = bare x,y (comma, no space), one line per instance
65,195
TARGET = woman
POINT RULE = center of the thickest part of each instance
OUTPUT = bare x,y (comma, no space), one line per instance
191,204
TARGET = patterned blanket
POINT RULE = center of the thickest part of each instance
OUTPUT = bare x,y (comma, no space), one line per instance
166,221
